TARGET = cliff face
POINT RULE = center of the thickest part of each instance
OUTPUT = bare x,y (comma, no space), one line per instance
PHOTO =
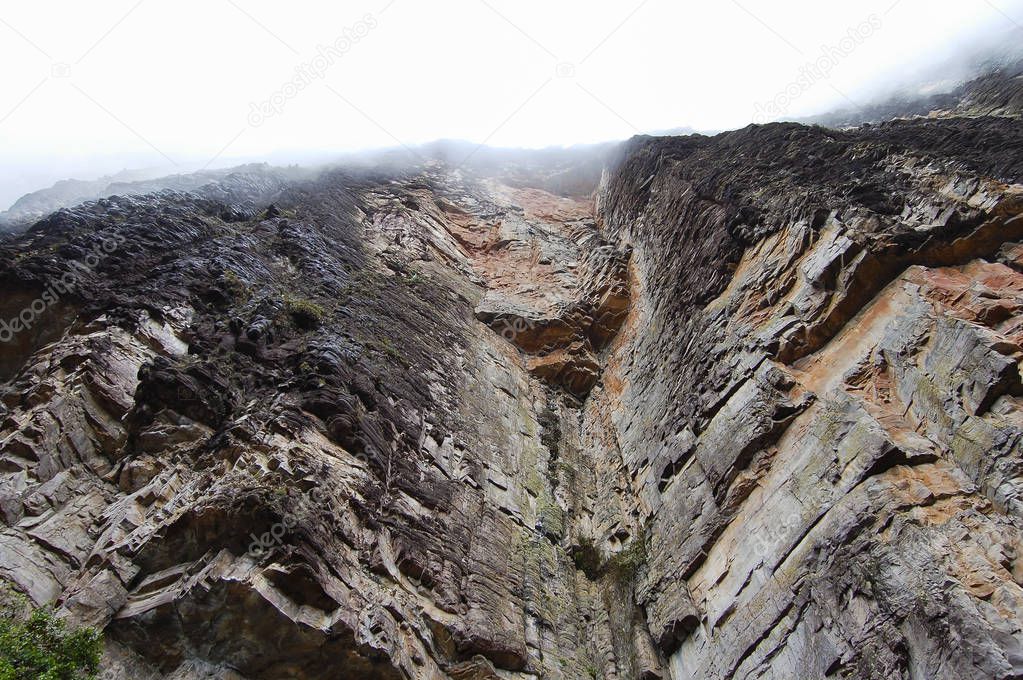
816,399
750,407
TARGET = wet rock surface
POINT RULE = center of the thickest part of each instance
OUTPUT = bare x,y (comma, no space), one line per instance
747,407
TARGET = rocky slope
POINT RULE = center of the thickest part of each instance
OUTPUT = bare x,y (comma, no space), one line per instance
746,407
67,193
997,91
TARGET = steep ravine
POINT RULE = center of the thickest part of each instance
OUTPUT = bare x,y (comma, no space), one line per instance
750,408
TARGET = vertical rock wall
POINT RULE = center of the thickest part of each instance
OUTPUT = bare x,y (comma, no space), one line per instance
748,409
817,400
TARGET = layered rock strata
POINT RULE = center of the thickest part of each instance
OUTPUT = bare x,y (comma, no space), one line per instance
750,407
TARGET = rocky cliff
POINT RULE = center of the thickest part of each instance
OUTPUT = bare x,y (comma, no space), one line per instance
743,406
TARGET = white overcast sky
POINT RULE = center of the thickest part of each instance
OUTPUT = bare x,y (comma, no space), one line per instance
93,87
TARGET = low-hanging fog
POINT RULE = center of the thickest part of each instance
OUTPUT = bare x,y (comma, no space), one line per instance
158,88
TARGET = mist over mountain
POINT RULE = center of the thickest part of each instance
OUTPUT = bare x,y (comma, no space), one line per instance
952,76
679,396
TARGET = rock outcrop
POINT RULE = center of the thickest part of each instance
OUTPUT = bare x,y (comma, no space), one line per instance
749,406
821,437
997,91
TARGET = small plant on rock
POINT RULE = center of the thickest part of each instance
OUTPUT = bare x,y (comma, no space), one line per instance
306,314
625,564
40,646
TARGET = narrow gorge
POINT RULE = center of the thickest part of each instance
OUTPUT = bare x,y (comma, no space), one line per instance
688,408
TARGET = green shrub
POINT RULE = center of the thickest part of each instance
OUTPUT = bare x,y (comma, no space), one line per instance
306,314
41,647
235,286
624,565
